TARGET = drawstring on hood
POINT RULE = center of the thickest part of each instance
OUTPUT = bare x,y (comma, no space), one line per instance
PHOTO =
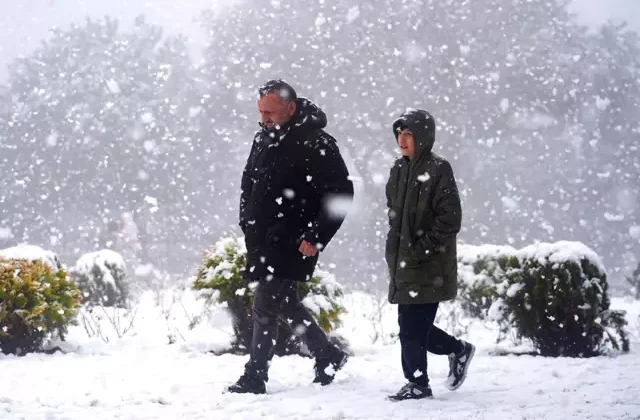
422,126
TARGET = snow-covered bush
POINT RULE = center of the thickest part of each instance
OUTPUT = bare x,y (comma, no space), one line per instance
36,302
556,295
480,271
220,279
321,296
102,278
32,253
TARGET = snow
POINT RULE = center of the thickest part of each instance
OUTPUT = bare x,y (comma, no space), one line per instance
539,129
424,177
328,281
532,121
379,178
147,118
194,111
414,53
143,270
31,252
101,259
149,145
338,206
141,376
52,139
353,14
223,269
224,247
5,233
544,101
514,289
316,303
561,251
613,217
113,86
504,105
468,253
509,203
496,311
602,103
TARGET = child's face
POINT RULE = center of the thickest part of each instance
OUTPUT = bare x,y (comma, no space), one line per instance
407,144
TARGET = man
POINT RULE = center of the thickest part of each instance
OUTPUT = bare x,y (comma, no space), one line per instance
424,218
293,186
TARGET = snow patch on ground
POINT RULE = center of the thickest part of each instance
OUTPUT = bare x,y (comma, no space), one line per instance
141,376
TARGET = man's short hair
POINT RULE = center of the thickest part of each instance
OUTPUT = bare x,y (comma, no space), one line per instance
280,88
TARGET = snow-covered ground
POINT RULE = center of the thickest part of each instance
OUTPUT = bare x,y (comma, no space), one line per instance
141,376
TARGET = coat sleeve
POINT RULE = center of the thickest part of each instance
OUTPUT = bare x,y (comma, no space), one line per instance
246,184
447,213
330,176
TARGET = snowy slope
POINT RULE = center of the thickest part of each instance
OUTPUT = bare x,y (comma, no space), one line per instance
138,377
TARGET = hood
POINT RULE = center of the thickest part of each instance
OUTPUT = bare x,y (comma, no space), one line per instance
309,115
422,126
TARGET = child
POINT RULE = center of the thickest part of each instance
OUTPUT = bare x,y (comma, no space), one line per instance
424,219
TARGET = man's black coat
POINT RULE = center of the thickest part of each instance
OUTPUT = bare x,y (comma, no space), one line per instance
295,186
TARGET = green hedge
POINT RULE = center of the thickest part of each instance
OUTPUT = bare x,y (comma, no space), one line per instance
554,294
482,270
36,302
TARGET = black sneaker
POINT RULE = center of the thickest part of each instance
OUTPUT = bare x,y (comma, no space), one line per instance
248,384
412,391
458,366
325,368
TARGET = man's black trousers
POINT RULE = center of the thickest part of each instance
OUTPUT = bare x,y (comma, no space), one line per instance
279,298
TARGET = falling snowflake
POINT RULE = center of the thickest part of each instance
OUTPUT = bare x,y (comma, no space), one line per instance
424,177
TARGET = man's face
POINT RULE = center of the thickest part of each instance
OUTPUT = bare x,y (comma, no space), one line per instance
275,111
407,144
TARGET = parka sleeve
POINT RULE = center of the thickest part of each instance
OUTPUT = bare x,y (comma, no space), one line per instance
331,177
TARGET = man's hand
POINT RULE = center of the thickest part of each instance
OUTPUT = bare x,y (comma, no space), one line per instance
307,249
